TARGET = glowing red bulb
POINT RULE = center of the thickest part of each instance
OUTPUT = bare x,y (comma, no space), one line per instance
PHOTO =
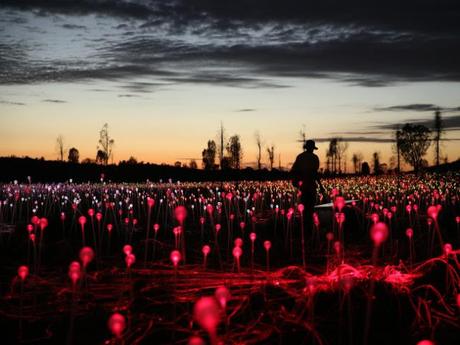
195,340
35,220
209,209
238,242
229,196
237,252
206,313
252,236
267,245
447,249
99,216
150,202
23,272
91,212
222,296
127,249
425,342
340,217
339,203
242,225
117,324
408,208
109,227
43,223
409,232
130,259
74,272
300,208
375,217
206,250
62,216
457,219
82,220
432,212
175,257
180,212
86,255
156,227
202,220
30,227
218,227
379,233
330,236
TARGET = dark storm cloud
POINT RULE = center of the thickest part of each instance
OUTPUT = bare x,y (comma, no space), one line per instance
449,123
73,26
54,101
371,44
418,107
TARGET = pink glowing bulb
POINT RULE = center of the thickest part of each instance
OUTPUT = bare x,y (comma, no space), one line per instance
457,219
238,242
43,223
375,217
237,252
180,212
330,236
62,216
425,342
206,250
156,227
242,225
339,203
209,209
91,212
267,245
429,221
195,340
130,259
389,215
300,208
35,220
202,220
447,249
23,272
229,196
126,220
109,227
175,257
415,208
432,212
408,208
32,237
232,216
393,209
207,314
150,202
127,249
409,232
82,221
340,217
218,227
134,221
117,324
30,228
222,296
177,231
74,272
315,219
379,233
86,255
252,236
99,216
337,246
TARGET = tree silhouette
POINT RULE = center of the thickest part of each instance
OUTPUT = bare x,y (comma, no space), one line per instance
365,169
376,163
105,143
259,150
356,159
74,155
209,155
101,157
193,164
60,147
342,147
271,155
235,152
398,149
331,154
438,132
414,142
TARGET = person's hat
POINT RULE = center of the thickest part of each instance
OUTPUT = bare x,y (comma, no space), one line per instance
310,144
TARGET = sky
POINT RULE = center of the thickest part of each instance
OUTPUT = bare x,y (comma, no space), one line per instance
165,74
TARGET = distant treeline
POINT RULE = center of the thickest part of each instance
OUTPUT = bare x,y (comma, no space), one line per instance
40,170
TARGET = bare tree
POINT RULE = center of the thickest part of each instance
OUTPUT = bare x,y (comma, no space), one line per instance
376,160
332,154
259,148
398,149
342,147
438,132
355,162
105,143
271,155
209,155
221,144
60,147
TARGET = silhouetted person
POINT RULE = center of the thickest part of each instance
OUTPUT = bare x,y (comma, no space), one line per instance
305,176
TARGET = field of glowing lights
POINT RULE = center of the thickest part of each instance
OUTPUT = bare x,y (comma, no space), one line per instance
231,263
